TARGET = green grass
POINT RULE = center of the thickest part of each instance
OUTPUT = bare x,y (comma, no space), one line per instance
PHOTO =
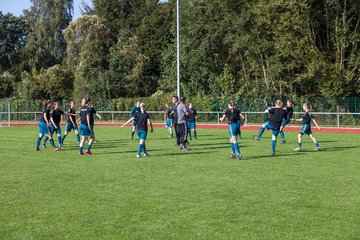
200,194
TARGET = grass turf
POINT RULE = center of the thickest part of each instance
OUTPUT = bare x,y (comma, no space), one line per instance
200,194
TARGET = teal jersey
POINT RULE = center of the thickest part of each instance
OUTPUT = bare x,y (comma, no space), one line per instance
133,111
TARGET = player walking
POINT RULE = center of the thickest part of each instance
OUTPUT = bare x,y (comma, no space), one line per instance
306,120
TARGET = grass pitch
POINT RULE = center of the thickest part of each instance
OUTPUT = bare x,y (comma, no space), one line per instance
200,194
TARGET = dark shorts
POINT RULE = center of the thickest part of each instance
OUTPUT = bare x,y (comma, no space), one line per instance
305,129
54,130
142,134
285,122
234,129
191,125
169,123
69,126
43,128
85,131
268,126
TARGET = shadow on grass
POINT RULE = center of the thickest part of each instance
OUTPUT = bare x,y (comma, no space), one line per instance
335,149
277,155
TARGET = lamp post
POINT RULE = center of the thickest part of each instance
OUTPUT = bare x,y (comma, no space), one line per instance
178,45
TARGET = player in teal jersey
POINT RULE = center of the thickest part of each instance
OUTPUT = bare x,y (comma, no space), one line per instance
135,109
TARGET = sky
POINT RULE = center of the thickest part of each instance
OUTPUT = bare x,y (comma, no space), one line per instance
16,7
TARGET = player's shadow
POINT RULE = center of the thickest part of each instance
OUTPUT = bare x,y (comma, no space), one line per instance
277,155
129,151
211,144
336,149
191,152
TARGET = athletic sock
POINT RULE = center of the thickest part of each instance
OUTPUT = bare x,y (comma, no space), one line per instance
195,135
261,131
89,147
317,144
63,138
273,145
45,139
52,143
144,148
282,135
132,134
240,134
232,148
236,146
189,133
59,140
81,149
299,145
140,148
78,138
38,142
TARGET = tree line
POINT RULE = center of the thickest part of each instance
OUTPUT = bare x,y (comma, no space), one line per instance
229,49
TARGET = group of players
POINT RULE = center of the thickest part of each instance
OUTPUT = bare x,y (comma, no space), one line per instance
280,117
50,124
179,116
182,118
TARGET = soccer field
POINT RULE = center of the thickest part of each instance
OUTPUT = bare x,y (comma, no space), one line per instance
199,194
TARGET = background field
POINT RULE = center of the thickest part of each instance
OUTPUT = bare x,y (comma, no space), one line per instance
200,194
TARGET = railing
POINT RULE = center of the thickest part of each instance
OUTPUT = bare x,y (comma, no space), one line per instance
325,119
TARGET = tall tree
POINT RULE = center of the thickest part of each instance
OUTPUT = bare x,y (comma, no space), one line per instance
86,56
47,19
13,31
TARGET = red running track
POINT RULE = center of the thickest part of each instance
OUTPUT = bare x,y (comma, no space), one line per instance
220,126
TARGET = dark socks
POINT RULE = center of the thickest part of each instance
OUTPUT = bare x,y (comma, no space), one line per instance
38,142
52,143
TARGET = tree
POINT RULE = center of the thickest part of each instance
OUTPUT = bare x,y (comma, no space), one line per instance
86,56
13,31
45,42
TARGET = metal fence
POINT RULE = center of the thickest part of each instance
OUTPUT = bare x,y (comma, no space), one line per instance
325,119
